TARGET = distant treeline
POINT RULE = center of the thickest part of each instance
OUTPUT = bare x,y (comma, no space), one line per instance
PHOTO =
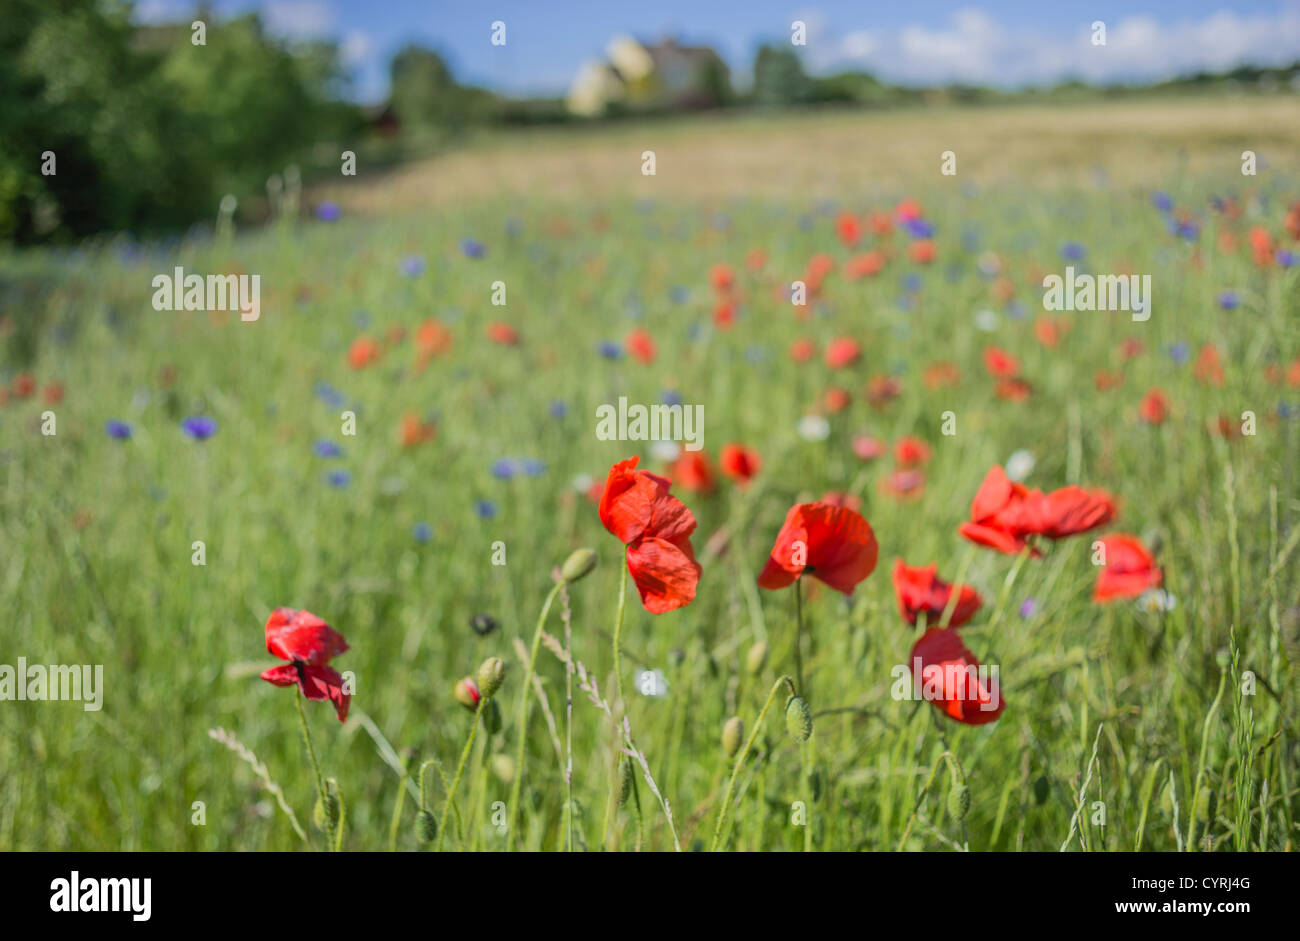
111,126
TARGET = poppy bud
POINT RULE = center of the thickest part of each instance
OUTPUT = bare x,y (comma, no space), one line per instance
578,565
467,694
1041,789
326,812
491,717
624,783
490,676
958,801
503,766
756,659
426,826
733,730
798,719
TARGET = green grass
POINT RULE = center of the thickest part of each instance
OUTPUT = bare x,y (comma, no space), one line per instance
1139,711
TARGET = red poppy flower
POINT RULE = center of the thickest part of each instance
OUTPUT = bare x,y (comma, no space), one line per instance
922,251
724,314
1154,408
363,352
739,463
1000,363
656,527
802,350
837,399
842,351
993,513
949,676
640,346
831,543
941,374
1047,331
868,448
1065,512
920,589
867,264
53,393
911,452
848,229
502,333
308,643
692,471
906,483
1003,513
432,338
1131,348
1013,390
908,209
880,222
881,390
1129,569
24,385
416,431
721,276
1209,368
756,259
1105,380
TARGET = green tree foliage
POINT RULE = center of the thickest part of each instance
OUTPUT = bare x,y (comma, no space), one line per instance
147,129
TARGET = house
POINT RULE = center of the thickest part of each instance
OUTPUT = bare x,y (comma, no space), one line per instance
665,76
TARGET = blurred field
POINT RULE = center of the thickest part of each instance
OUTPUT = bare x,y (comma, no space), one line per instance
1140,710
826,155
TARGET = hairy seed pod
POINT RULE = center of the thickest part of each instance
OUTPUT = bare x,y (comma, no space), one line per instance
326,812
490,676
578,565
798,719
623,779
426,826
756,659
958,801
733,732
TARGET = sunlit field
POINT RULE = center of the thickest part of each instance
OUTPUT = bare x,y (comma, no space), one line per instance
411,462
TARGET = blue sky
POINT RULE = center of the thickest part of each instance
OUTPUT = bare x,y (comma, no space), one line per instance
1007,42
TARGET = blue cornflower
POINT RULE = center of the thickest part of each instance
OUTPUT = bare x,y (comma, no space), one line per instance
486,509
1162,201
1228,300
472,249
533,467
559,408
1072,251
199,427
326,448
413,266
329,395
338,478
422,532
610,350
328,212
1180,352
118,429
505,468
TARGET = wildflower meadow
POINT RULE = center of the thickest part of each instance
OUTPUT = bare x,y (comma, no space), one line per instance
625,514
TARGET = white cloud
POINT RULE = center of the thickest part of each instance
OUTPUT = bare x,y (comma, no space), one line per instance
298,19
973,47
356,48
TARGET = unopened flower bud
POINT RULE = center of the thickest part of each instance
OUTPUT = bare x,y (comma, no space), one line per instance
426,826
624,780
733,730
326,812
798,719
467,694
958,801
490,676
756,659
578,565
